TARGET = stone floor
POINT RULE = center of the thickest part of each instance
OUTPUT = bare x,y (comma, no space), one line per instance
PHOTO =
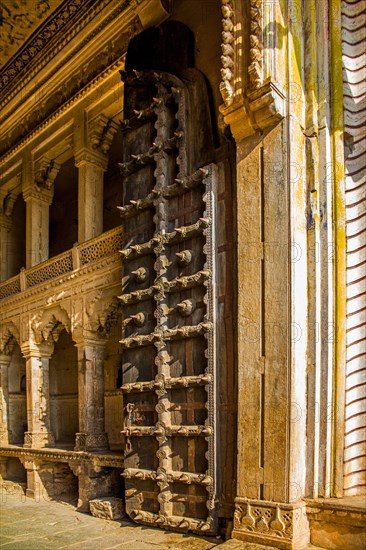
30,525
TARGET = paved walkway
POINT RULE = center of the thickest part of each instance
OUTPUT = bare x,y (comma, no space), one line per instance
47,525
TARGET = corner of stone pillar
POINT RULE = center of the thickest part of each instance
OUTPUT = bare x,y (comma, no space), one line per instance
3,467
34,487
94,482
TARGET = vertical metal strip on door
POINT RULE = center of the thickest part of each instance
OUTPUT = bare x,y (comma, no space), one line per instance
169,334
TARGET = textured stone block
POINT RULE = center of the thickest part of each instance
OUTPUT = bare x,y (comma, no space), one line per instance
107,508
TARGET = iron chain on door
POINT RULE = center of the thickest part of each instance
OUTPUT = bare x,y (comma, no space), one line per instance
168,299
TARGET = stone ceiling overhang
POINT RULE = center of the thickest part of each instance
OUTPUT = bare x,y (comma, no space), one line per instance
85,45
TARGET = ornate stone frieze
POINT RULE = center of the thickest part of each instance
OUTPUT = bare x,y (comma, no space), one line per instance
278,524
57,455
72,90
93,70
18,23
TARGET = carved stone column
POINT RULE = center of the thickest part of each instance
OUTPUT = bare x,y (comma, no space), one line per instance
38,398
5,435
36,486
91,396
37,224
5,227
91,165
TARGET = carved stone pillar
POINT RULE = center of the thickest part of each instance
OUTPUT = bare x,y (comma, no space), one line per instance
5,435
37,224
5,227
91,165
38,397
91,396
38,486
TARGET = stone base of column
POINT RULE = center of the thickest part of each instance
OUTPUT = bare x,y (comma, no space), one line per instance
275,524
38,440
91,442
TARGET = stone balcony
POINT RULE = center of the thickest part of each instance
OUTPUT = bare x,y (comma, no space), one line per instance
65,266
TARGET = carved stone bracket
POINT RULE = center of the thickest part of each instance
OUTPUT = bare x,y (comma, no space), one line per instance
46,172
101,133
251,103
9,335
7,201
276,524
262,108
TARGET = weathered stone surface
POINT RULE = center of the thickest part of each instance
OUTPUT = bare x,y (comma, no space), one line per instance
107,508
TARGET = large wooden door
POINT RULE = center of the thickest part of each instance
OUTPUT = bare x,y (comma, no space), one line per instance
168,299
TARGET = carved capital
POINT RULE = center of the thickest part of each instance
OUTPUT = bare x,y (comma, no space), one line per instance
271,523
43,350
40,194
90,157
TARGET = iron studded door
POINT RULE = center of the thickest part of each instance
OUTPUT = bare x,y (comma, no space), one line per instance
168,299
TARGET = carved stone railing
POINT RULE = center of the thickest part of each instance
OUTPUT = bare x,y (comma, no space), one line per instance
10,287
107,244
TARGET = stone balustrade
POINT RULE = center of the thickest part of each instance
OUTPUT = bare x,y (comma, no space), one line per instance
104,245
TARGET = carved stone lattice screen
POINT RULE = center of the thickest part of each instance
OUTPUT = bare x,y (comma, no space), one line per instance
169,337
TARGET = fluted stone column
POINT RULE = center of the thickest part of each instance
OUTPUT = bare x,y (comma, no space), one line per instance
37,224
5,435
38,396
91,396
91,165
